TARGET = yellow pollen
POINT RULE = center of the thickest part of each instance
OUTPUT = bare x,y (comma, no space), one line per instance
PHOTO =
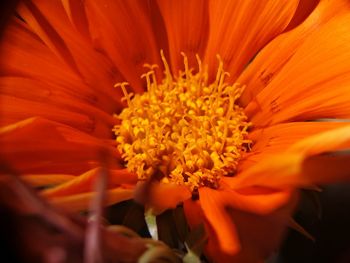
183,130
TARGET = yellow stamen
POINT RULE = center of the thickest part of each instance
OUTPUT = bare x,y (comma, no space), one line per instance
183,130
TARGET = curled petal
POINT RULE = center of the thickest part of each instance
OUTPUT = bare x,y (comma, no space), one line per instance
237,222
80,202
159,197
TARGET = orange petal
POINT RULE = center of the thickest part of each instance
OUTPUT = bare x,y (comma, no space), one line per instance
214,210
35,142
267,64
305,8
193,212
81,202
39,180
24,55
294,170
85,182
332,140
46,32
186,25
257,200
52,97
297,166
239,29
277,138
15,109
253,231
276,171
216,203
283,135
50,21
42,166
159,197
77,16
326,169
123,31
315,80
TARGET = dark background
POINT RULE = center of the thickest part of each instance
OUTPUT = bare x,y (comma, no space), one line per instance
326,216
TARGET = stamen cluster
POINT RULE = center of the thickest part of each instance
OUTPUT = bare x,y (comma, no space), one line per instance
183,130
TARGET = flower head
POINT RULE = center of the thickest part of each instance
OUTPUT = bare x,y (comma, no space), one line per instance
232,143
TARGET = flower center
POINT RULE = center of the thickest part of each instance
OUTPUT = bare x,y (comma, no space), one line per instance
183,130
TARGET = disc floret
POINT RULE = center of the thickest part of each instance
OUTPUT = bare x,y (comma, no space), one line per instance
183,130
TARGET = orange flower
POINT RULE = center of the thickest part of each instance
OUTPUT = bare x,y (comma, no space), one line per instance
61,60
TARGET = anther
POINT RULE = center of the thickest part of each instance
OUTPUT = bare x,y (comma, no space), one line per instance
181,127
